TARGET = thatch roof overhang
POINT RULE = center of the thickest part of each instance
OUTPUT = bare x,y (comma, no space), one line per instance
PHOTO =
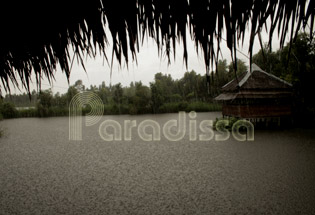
36,36
255,85
253,95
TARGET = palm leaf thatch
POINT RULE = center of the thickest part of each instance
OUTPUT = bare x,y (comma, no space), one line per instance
37,36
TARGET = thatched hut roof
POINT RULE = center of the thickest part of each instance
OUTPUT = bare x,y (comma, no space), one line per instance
37,35
257,84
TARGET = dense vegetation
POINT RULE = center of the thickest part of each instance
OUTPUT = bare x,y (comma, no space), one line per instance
164,95
295,65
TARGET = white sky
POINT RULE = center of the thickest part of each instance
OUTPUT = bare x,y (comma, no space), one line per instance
149,63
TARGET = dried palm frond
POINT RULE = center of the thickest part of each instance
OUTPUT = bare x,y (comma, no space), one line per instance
37,36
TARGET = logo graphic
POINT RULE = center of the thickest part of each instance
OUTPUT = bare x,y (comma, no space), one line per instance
150,130
79,101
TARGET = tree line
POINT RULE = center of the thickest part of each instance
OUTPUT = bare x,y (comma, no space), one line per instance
163,95
295,64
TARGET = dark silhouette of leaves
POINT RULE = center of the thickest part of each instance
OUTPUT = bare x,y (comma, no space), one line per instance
37,36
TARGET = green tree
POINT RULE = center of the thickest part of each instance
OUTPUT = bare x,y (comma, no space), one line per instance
79,86
8,110
269,61
189,82
44,103
118,96
161,90
60,100
142,98
241,68
103,93
157,96
72,91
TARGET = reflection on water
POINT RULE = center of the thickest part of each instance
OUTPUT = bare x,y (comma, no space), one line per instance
43,172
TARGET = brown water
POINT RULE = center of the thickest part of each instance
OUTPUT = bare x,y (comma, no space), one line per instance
42,172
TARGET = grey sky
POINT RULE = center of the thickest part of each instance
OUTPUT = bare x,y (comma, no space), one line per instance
149,63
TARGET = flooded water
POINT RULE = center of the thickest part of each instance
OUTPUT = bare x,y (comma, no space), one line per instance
43,172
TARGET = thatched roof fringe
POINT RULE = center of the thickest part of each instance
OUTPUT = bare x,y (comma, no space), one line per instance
28,45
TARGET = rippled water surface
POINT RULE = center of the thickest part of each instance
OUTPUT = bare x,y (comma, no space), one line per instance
42,172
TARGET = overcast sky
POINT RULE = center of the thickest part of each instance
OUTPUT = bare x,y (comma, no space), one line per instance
149,63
